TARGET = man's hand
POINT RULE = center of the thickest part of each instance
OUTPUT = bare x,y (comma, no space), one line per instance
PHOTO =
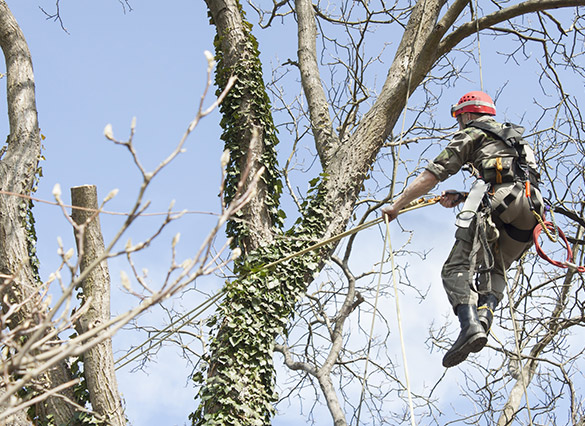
419,187
452,198
390,212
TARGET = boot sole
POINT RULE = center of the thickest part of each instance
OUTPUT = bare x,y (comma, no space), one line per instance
474,344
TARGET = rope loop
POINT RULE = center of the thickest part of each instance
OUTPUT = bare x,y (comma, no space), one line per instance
547,227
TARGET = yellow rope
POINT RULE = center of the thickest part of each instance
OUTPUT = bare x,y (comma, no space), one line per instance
553,237
198,310
416,204
168,331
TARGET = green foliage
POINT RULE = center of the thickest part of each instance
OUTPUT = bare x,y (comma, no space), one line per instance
256,309
247,106
28,221
237,376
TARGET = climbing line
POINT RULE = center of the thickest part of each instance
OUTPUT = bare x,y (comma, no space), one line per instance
554,236
399,317
168,331
517,338
416,204
387,243
478,46
368,349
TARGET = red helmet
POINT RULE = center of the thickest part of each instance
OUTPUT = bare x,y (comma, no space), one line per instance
475,102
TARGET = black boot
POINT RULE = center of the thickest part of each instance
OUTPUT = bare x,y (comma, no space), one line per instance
485,310
472,337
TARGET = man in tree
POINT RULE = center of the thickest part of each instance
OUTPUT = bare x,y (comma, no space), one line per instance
499,211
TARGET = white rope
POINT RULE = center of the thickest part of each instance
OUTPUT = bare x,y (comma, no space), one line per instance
371,331
478,46
517,341
387,243
404,360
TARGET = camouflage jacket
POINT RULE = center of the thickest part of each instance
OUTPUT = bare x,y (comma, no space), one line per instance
490,155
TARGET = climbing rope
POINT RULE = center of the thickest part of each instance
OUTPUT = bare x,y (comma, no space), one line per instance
554,235
187,318
553,232
369,346
478,46
396,298
517,339
416,204
387,243
568,263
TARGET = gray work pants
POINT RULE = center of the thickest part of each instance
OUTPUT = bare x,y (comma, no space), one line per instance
456,274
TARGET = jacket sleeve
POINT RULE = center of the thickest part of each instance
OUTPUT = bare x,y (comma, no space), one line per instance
457,153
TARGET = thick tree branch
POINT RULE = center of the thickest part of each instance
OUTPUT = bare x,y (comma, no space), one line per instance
98,362
500,16
325,138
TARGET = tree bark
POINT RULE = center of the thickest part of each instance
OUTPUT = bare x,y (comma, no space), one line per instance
325,138
18,169
252,134
98,361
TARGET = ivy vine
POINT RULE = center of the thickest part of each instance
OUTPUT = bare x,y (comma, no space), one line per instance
236,377
239,388
245,105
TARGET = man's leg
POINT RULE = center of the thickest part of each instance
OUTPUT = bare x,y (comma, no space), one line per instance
456,276
456,281
506,251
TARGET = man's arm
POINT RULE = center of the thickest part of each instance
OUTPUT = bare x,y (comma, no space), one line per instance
419,187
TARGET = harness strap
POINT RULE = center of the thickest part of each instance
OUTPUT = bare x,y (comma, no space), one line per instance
520,235
508,199
536,205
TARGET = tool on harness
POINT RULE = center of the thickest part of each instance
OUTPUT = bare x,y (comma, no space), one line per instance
477,211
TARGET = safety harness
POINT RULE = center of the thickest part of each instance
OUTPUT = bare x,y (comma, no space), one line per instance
496,170
526,177
518,170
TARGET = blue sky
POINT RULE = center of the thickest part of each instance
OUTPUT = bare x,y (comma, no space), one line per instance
111,66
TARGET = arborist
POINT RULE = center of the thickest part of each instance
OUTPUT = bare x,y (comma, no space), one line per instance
494,227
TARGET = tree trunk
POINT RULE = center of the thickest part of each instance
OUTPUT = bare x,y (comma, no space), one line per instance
18,170
252,312
257,307
251,136
98,362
